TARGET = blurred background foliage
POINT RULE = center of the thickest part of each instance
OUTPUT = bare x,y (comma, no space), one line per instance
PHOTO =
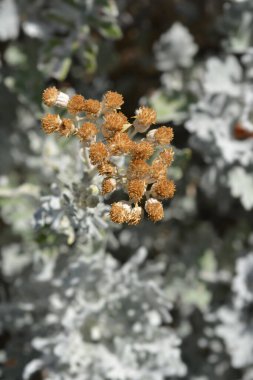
80,298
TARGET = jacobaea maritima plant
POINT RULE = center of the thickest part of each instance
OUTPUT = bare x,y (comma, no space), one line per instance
139,167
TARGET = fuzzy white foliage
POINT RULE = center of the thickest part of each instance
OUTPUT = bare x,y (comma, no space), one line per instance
104,322
175,48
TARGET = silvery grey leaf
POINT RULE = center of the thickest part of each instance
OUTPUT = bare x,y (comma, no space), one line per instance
243,281
175,48
9,20
241,184
222,76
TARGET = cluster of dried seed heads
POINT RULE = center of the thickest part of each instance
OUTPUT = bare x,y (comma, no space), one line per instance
107,136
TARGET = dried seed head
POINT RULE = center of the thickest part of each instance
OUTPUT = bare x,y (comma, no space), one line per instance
120,143
53,97
108,185
167,156
76,104
136,189
91,107
49,96
163,189
98,153
158,170
114,122
112,101
135,216
142,150
120,212
154,209
145,116
138,169
51,123
164,135
67,127
87,131
106,168
161,136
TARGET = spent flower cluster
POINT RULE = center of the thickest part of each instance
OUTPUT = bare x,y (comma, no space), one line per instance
138,167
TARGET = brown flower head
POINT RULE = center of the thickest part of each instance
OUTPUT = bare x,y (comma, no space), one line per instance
91,107
49,96
120,212
135,216
130,170
108,185
145,116
106,168
98,153
158,170
120,143
76,104
112,101
138,169
154,209
161,136
53,97
87,131
163,189
142,150
167,156
136,189
114,122
51,123
67,127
